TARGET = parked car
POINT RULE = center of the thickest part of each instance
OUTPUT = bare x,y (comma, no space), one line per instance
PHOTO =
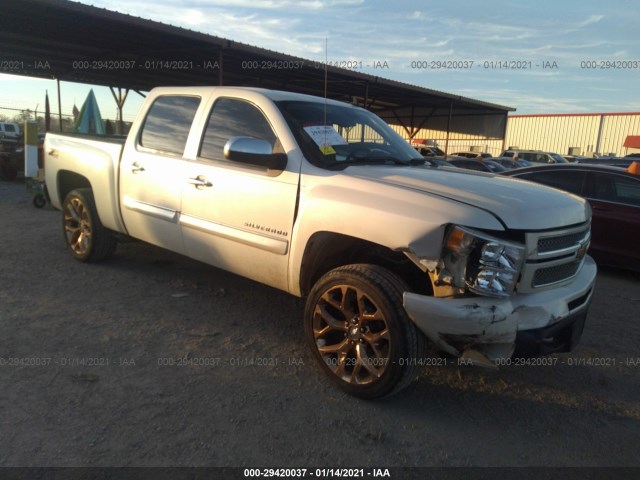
480,166
573,158
534,156
472,154
439,161
428,151
11,158
9,130
510,163
613,161
632,155
614,195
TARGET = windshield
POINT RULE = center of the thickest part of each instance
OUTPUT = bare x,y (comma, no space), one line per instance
558,158
335,136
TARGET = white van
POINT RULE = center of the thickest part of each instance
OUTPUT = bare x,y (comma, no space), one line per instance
9,130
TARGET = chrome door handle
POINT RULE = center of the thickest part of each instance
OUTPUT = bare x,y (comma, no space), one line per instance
136,168
200,181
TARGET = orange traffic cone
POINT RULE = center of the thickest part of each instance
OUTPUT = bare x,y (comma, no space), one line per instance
634,168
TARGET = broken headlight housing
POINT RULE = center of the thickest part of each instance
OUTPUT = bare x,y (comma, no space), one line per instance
480,263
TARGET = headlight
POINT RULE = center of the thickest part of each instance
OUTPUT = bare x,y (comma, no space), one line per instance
480,263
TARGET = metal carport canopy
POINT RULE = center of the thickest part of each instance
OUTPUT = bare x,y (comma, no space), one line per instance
59,39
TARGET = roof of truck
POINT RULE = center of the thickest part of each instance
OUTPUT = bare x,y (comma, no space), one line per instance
275,95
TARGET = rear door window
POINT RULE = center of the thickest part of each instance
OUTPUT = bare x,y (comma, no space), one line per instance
570,181
168,123
614,188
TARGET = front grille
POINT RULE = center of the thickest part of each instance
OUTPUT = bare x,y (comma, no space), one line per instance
553,257
554,244
557,273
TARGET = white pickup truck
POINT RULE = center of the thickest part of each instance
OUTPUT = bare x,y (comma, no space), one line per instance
322,199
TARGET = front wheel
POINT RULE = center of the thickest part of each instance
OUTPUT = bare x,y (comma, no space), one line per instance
86,238
359,331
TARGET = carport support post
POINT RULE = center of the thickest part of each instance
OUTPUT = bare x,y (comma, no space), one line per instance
59,106
220,71
120,100
446,143
504,131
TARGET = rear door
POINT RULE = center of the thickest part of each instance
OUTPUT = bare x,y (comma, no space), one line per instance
615,201
151,171
235,215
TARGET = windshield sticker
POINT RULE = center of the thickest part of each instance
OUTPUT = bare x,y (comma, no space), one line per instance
325,136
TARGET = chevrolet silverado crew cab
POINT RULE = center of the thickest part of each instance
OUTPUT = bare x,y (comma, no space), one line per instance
323,200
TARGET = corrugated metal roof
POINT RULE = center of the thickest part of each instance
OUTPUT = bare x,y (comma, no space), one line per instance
609,114
70,41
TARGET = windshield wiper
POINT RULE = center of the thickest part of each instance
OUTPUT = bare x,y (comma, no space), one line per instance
379,160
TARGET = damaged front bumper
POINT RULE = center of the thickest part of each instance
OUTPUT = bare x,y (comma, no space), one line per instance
486,330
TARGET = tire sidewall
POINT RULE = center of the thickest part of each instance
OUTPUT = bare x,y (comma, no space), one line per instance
395,317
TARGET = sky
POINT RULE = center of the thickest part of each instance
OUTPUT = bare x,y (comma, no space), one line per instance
542,56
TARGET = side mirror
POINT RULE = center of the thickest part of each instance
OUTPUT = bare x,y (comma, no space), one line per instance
254,151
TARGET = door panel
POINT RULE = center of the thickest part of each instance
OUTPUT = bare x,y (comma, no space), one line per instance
151,198
616,225
151,169
237,216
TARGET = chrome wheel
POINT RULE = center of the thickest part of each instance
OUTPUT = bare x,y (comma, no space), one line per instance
359,332
85,235
77,226
351,334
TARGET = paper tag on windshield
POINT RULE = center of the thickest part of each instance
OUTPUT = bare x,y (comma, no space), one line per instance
325,136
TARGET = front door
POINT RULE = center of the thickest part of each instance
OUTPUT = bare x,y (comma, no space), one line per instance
234,215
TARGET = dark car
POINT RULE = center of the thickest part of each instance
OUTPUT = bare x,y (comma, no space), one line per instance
472,154
428,151
614,195
510,163
439,161
481,166
613,161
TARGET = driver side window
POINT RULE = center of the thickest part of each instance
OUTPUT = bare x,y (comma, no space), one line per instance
232,117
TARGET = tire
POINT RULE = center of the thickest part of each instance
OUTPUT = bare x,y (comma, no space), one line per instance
87,239
39,200
359,332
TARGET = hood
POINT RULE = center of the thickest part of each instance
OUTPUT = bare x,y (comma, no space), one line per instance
519,204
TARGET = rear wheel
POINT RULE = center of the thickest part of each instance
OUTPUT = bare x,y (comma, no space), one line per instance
87,239
359,331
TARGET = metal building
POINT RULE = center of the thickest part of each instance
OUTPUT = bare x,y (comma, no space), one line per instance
574,134
566,134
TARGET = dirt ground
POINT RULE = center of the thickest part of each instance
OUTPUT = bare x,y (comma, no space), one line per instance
152,359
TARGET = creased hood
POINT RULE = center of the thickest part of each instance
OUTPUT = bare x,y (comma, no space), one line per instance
518,204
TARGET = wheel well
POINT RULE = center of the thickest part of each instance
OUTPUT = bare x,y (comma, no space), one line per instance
68,181
327,250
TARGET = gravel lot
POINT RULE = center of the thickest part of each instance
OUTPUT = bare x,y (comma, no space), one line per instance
94,385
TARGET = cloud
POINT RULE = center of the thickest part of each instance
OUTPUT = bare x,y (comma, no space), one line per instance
590,21
193,17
